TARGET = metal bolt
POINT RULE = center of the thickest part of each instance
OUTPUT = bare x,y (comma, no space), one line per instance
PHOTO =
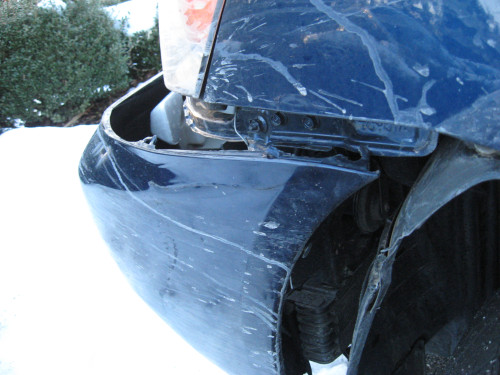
254,125
276,119
308,123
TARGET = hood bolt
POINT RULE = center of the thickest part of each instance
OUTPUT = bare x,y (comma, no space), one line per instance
276,119
309,123
254,125
257,124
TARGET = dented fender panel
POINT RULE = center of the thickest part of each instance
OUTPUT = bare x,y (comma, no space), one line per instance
208,238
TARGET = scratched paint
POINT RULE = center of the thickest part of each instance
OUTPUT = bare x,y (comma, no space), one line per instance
385,61
227,275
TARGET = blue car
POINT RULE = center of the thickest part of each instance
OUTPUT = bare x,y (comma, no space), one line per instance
311,178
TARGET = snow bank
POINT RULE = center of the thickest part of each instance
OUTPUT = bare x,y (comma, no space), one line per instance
65,308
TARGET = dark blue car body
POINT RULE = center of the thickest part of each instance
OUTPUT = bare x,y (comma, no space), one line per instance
210,238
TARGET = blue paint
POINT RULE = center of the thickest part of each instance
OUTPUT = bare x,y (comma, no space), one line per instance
371,62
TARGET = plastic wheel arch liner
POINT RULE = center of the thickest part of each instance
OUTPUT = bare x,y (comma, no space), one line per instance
452,170
208,239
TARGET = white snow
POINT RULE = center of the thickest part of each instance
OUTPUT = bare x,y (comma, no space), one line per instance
65,308
17,123
140,14
52,4
337,367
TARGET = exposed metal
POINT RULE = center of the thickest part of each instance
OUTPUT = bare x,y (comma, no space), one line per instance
325,133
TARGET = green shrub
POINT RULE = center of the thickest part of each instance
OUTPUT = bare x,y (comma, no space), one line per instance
107,3
145,58
54,62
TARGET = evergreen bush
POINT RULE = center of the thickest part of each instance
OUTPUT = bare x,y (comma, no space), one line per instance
53,62
145,57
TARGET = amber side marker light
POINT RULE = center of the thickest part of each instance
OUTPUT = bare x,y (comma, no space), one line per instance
187,33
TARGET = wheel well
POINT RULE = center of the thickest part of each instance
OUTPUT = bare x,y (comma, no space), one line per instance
442,275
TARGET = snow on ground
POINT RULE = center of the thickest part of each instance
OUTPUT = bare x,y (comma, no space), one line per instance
337,367
65,308
140,14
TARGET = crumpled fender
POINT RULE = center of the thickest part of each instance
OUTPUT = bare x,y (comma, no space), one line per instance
452,170
208,239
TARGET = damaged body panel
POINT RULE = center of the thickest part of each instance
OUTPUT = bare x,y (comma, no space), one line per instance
454,169
209,239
